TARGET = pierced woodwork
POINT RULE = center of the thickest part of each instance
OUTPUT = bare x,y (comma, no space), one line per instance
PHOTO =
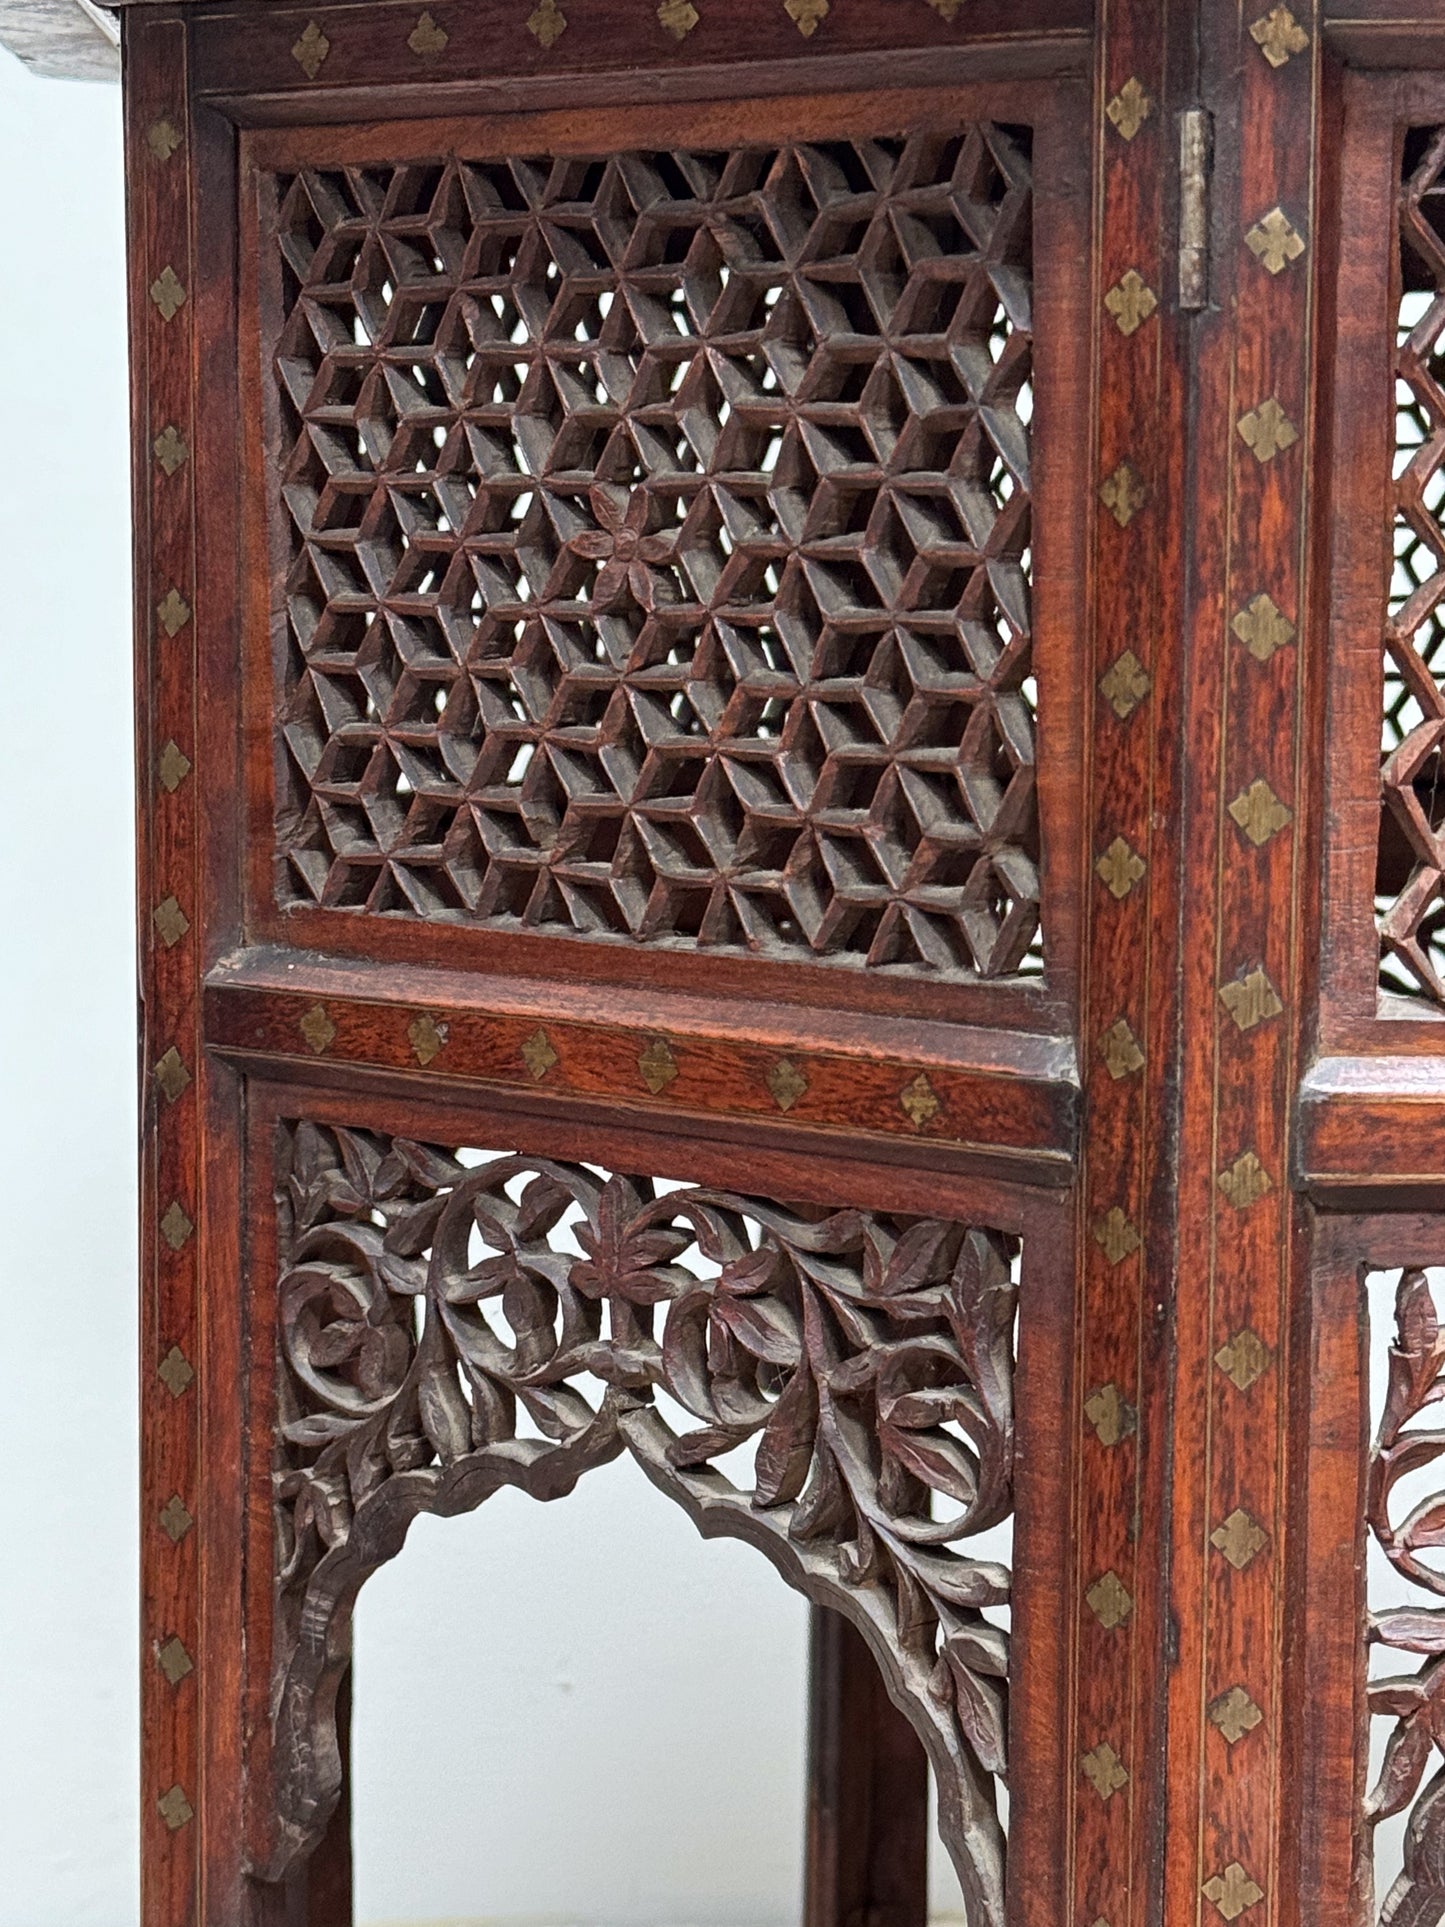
658,538
835,1387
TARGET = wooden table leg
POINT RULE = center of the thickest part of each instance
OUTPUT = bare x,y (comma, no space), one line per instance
867,1792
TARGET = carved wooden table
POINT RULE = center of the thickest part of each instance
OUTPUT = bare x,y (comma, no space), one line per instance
792,699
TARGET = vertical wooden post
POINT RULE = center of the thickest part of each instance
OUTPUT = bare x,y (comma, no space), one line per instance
867,1863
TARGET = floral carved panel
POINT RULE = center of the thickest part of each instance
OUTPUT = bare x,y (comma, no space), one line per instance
833,1386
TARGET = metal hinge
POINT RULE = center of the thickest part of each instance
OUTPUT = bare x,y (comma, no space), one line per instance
1195,153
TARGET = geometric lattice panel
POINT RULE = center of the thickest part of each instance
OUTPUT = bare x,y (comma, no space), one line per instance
1411,884
659,533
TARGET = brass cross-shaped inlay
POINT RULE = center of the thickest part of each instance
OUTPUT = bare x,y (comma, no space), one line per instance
1266,431
171,1074
311,50
173,767
547,23
806,15
1115,1236
317,1029
538,1055
174,612
678,17
174,1661
1124,684
920,1101
1119,868
176,1226
168,293
1123,493
1131,301
1111,1415
175,1373
163,137
1122,1055
1245,1182
1275,241
1239,1538
175,1809
1278,34
170,449
1232,1891
1243,1359
1104,1770
1129,108
171,922
1109,1601
427,39
1261,628
1250,999
175,1520
428,1039
786,1083
1235,1714
1259,812
658,1065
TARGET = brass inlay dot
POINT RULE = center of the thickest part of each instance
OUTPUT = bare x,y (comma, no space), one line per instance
1131,301
170,449
1243,1359
317,1029
547,23
1235,1714
1123,493
174,1661
1122,1055
1278,34
949,9
427,39
1275,241
311,50
1109,1601
428,1039
163,137
1116,1236
1111,1415
1266,431
1245,1182
173,768
538,1055
175,1521
175,1809
786,1084
1130,108
1124,685
1259,812
176,1227
171,1075
171,922
677,17
806,15
920,1101
175,1373
1250,999
658,1065
168,293
174,612
1240,1538
1119,868
1261,628
1104,1770
1232,1891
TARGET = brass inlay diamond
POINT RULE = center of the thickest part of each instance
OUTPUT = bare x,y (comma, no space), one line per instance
317,1029
538,1055
1232,1891
428,1039
427,39
176,1227
807,15
1104,1770
1259,812
1111,1415
168,293
175,1373
174,612
1245,1182
1275,241
1130,108
174,1661
171,1074
1119,868
170,449
658,1065
1278,34
1122,1055
786,1083
1124,685
1240,1539
173,768
311,50
1109,1601
1235,1714
1243,1359
920,1101
171,922
1250,999
1123,493
1267,430
175,1809
163,137
1261,628
948,8
176,1522
1131,301
547,22
1115,1236
678,17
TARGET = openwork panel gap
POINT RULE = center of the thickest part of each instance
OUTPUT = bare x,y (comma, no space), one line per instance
659,545
834,1386
1411,879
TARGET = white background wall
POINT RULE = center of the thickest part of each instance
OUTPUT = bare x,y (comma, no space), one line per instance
580,1711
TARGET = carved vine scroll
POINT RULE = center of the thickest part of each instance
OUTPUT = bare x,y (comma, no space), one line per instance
1415,1702
833,1386
659,535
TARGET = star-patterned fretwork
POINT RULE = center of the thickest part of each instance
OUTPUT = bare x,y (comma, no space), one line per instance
659,527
